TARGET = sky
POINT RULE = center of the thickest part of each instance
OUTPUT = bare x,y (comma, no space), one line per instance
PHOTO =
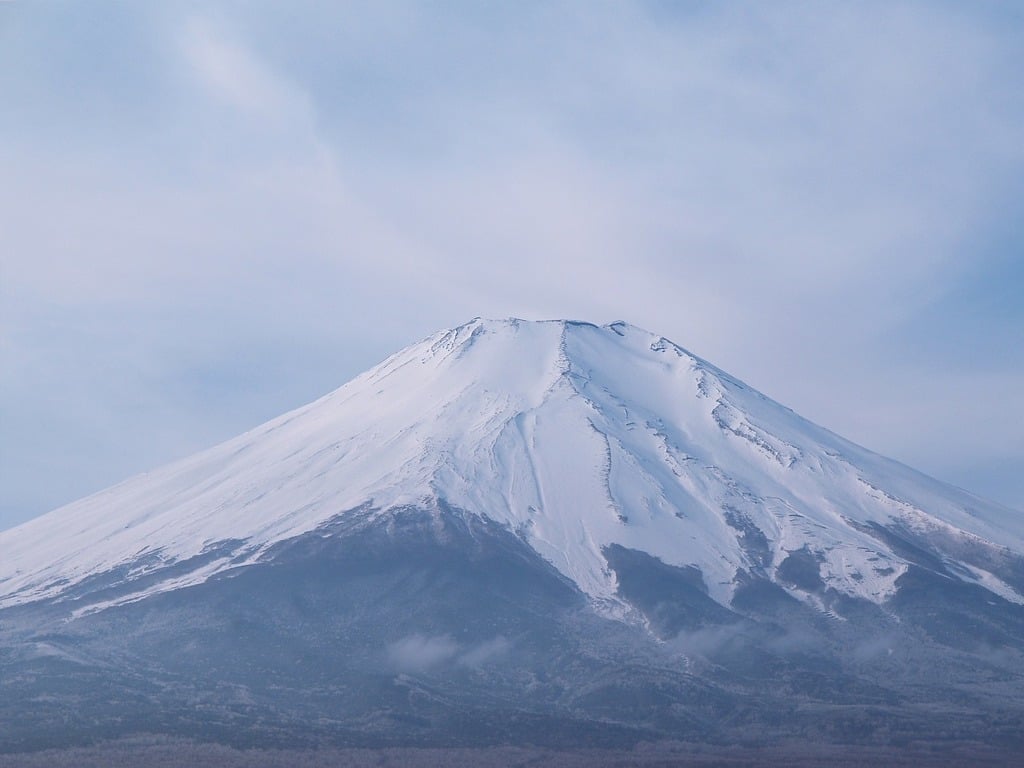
211,213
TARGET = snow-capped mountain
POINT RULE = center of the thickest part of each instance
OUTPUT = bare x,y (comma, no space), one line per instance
520,532
575,437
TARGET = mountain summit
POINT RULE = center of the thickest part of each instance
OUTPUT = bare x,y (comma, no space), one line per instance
576,437
552,531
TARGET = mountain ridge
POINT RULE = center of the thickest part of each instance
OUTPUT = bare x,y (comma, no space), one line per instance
574,436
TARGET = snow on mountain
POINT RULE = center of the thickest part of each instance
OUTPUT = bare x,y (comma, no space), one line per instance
574,436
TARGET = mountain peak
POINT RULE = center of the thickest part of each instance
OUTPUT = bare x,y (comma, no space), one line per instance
576,437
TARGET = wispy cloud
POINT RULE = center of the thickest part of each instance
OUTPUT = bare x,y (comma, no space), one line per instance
234,74
422,653
210,214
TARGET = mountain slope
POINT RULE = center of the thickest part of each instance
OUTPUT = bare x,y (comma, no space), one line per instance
575,437
521,533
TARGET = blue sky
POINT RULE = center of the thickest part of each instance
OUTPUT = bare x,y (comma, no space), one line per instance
213,212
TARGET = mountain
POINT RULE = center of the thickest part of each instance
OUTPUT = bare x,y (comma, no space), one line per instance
520,532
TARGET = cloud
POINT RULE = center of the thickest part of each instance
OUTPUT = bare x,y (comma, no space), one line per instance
269,199
709,640
422,653
235,74
487,652
874,649
418,653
